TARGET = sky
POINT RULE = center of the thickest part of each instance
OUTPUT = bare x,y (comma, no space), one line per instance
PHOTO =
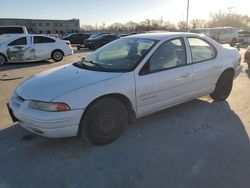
110,11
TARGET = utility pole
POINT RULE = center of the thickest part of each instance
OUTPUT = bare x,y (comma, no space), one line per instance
229,9
161,21
187,15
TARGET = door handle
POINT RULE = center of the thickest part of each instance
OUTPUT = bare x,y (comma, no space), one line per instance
186,75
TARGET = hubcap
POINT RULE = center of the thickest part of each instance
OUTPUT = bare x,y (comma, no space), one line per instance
57,55
106,124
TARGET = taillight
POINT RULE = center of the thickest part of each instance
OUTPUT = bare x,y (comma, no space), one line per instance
68,43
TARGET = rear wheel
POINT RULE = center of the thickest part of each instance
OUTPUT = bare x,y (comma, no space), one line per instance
104,121
223,87
57,55
3,59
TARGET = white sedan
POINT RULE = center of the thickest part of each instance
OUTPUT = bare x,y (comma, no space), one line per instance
124,80
24,48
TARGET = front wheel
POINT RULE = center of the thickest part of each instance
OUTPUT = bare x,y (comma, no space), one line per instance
104,121
57,55
223,87
3,59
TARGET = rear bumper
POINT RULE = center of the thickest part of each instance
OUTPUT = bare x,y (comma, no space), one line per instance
68,52
237,71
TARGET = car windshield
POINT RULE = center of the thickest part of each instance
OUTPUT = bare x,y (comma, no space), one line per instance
121,55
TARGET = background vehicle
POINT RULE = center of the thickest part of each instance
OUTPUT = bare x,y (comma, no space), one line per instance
247,56
99,41
223,35
25,48
244,37
9,31
126,79
76,38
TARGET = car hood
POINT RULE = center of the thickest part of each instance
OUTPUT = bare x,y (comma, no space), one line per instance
53,83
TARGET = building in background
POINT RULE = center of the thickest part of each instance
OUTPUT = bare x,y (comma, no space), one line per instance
39,26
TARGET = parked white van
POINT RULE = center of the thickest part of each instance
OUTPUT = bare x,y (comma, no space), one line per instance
9,31
223,35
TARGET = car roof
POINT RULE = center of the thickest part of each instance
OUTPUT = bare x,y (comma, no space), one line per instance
163,35
12,26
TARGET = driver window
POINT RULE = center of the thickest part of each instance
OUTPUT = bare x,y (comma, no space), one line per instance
20,41
171,54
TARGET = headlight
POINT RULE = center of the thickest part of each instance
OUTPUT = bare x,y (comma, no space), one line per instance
49,106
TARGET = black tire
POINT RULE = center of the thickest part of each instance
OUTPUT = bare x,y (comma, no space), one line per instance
223,87
104,121
57,55
233,42
248,65
3,59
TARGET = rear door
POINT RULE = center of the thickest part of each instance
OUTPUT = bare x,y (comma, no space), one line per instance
43,47
205,63
20,50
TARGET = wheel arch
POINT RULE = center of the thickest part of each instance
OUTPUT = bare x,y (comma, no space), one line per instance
120,97
229,70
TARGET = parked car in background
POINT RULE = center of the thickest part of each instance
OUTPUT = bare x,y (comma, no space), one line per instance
223,35
77,38
99,41
247,57
24,48
12,30
127,79
244,37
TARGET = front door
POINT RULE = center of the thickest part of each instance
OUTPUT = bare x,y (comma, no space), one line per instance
165,80
20,50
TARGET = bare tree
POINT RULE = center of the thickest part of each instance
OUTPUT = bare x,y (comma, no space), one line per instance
198,23
181,25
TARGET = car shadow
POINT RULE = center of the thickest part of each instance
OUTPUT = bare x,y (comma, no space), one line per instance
12,66
196,144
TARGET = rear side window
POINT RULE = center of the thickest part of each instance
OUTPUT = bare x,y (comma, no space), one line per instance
39,40
20,41
201,50
11,30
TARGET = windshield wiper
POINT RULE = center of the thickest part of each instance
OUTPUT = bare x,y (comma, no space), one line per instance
93,63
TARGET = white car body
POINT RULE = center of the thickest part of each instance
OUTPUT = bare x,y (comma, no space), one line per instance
32,51
147,93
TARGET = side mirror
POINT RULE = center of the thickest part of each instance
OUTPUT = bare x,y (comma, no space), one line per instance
83,58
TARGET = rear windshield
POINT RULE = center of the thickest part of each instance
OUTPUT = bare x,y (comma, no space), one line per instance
11,30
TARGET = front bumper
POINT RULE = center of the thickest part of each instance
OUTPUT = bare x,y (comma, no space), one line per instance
48,124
